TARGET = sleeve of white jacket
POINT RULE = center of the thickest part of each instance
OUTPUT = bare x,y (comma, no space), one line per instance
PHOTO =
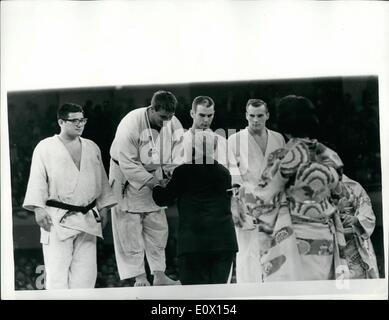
37,189
106,198
221,152
233,163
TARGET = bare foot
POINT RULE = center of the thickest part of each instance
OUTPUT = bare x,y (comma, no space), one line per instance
141,281
160,279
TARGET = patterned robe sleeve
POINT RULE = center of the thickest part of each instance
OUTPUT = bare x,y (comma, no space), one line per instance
364,214
267,195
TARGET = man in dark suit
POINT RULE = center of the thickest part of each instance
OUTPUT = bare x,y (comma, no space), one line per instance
206,236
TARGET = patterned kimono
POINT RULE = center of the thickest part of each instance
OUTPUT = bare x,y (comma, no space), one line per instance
301,234
360,255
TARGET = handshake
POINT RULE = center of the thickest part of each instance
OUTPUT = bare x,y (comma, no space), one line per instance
163,182
157,182
234,191
239,212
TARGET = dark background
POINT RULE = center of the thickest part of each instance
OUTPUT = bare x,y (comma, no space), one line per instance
349,123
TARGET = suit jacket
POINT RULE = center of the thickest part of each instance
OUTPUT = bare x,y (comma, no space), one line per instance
204,206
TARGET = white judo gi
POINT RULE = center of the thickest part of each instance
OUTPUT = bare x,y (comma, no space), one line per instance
220,152
246,163
69,249
139,225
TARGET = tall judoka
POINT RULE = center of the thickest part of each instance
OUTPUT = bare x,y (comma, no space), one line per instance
202,113
69,192
248,150
148,145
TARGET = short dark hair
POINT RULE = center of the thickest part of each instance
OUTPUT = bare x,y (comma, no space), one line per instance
164,100
297,117
204,101
256,103
64,110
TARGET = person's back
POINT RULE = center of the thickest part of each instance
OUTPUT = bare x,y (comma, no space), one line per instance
206,238
204,208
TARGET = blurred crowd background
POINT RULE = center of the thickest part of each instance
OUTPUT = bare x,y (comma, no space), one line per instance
349,123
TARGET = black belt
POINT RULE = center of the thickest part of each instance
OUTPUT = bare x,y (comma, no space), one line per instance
124,187
72,208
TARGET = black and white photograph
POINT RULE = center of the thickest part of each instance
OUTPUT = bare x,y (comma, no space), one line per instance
232,159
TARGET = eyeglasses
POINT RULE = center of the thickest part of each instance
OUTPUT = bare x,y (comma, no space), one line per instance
77,121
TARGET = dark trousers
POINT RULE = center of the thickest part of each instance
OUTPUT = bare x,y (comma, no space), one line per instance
205,267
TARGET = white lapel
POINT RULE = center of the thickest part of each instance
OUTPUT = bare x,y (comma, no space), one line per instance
255,149
72,172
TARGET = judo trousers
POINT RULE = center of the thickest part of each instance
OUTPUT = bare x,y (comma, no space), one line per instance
137,234
70,263
248,266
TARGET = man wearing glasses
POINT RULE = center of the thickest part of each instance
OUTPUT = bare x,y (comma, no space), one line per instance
69,192
147,147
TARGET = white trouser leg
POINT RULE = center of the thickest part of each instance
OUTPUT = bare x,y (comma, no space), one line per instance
248,268
83,269
155,235
58,257
128,243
